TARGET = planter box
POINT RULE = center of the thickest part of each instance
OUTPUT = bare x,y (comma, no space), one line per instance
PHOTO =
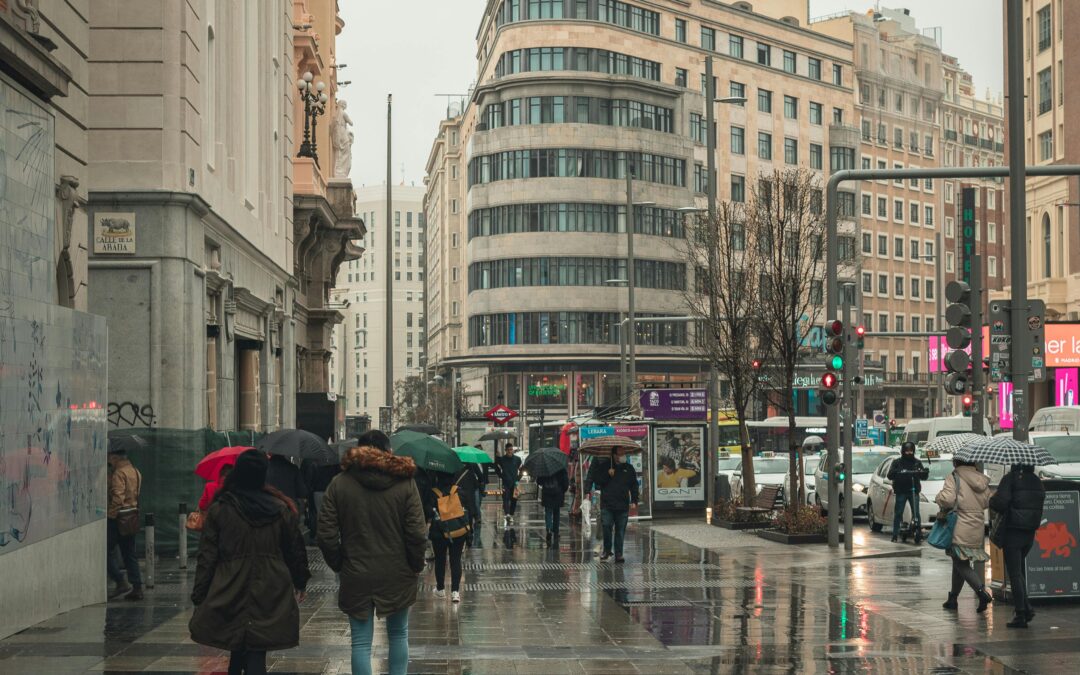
784,538
741,524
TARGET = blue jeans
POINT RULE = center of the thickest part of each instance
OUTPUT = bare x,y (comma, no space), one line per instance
397,629
903,498
551,519
614,526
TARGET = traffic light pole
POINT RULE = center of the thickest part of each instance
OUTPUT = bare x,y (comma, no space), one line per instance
1021,337
978,394
849,423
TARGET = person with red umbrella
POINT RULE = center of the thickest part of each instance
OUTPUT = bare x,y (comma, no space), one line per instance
213,468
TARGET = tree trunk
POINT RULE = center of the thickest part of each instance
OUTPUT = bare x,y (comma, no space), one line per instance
747,460
793,460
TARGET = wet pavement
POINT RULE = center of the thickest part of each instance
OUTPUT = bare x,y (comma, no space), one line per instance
689,600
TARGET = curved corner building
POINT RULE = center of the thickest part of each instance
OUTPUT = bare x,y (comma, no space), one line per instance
530,181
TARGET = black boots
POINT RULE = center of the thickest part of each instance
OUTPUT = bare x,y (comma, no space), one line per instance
1019,621
984,600
951,602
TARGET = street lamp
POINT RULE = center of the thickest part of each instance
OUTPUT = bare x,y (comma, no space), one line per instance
314,105
631,281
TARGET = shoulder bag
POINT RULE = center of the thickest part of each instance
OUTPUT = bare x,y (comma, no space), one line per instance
941,535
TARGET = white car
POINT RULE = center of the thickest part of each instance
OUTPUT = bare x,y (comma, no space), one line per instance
881,501
864,461
767,471
1065,449
810,465
727,465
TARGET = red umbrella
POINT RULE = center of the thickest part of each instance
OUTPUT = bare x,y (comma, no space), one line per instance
209,466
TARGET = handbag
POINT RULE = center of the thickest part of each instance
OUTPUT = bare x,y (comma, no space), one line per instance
941,535
998,527
195,521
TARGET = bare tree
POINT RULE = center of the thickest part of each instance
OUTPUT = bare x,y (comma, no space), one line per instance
788,222
727,265
418,402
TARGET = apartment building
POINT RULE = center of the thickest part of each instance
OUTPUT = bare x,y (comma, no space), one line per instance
567,93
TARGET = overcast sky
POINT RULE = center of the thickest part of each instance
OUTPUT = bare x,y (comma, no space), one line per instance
422,48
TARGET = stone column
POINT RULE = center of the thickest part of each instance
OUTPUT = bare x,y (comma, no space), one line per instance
211,382
249,390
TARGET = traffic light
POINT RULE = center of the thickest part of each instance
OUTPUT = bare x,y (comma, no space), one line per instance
839,472
966,401
860,336
756,365
834,362
958,336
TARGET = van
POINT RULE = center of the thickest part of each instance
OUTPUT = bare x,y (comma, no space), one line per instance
1056,418
922,431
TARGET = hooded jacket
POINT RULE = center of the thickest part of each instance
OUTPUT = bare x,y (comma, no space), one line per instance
251,561
969,502
125,482
907,474
1019,498
371,531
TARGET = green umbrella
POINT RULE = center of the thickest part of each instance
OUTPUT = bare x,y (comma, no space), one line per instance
429,453
472,455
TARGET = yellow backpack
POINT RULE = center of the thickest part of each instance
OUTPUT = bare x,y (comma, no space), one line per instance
450,513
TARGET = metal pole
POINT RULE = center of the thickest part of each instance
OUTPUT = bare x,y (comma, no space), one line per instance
1021,336
714,376
978,393
939,320
832,297
183,535
388,344
849,426
631,282
150,552
624,384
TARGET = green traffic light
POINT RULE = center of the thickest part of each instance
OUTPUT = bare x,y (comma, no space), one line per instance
836,362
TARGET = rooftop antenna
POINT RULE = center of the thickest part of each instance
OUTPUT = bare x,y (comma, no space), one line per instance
449,100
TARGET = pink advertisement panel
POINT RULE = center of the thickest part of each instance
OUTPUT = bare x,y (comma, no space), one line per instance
1066,388
1005,402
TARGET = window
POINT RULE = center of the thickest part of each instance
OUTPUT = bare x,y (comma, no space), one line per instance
882,245
929,296
898,138
738,188
738,141
1046,91
898,210
898,286
914,210
680,30
1042,20
916,326
991,233
408,319
928,213
453,206
867,283
789,61
899,103
950,259
899,329
791,151
815,68
948,192
680,77
764,145
735,46
791,107
708,39
883,207
949,227
866,163
764,54
699,131
737,90
838,75
913,248
867,205
841,158
1046,146
867,243
815,113
883,323
916,287
1047,251
898,247
838,115
701,181
764,100
883,284
545,9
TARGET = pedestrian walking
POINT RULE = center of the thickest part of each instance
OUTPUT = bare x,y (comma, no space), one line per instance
211,488
371,531
449,526
552,497
618,485
287,478
508,468
1019,503
966,492
252,570
907,474
125,486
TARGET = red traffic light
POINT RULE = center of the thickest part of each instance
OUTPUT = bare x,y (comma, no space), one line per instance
835,328
756,364
829,380
966,400
860,331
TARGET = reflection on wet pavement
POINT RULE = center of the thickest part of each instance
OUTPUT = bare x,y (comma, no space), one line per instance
672,608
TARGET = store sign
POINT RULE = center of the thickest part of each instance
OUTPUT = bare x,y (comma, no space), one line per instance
549,390
1062,345
1053,566
675,404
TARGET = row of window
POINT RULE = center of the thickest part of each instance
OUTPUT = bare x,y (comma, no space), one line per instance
541,328
900,102
607,11
540,59
926,146
574,271
900,324
580,110
762,54
573,217
900,214
900,285
914,183
576,163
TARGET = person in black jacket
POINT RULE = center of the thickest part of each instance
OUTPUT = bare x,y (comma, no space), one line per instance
552,496
618,485
907,474
508,468
1019,500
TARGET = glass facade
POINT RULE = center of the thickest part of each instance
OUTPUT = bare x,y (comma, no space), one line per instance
575,163
573,271
541,59
541,328
603,218
578,110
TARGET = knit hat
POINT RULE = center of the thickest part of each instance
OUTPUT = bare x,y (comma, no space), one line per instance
249,472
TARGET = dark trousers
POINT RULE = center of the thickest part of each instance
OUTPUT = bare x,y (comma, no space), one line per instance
1017,570
509,501
127,552
246,662
453,547
613,524
965,571
902,499
551,519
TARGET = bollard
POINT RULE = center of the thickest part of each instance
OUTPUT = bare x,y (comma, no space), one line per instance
151,554
183,536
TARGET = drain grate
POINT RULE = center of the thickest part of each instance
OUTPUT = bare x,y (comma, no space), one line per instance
660,603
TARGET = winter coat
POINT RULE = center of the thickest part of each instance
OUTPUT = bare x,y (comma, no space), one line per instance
371,531
508,468
251,561
970,506
553,489
907,474
125,481
1019,498
617,492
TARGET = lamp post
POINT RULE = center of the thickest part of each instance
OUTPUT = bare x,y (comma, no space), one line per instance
624,393
314,105
631,282
435,382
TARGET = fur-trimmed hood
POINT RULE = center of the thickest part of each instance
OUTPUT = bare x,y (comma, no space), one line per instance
375,469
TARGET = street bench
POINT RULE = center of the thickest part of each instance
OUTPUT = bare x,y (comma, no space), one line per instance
764,503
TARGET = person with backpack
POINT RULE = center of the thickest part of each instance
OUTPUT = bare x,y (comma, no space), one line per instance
449,528
552,496
371,531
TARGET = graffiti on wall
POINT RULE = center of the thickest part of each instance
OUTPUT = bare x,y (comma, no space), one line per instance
130,414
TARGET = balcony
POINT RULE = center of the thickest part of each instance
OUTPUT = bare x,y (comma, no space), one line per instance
950,134
917,379
971,140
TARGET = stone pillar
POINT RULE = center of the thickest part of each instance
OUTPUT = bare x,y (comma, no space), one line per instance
211,382
249,390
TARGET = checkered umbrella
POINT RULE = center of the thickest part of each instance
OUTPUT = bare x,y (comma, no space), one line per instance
1006,451
948,445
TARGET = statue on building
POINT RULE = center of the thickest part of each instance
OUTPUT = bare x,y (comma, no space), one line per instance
342,139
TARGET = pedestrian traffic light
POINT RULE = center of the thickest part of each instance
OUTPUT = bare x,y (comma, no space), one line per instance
829,385
958,337
860,335
839,472
756,365
834,362
966,400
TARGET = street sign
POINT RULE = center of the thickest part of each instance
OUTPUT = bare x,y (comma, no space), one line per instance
500,414
862,427
1036,323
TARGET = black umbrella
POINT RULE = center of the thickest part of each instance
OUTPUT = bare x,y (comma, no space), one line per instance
499,435
545,462
299,444
126,442
429,429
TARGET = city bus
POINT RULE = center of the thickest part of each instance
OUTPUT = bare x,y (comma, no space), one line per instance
771,434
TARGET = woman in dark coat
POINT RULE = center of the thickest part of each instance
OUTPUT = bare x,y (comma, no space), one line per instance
1019,500
552,497
252,570
371,531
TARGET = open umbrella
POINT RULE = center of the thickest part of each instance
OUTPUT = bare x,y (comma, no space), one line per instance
499,435
471,455
429,429
1006,451
210,466
299,444
545,462
429,453
603,445
342,447
949,445
126,442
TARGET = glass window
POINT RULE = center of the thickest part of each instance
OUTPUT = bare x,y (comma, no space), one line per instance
1046,91
816,156
882,207
764,100
680,30
1043,22
1046,146
815,113
789,61
708,38
791,151
737,90
838,74
680,77
883,245
867,243
898,247
547,389
764,54
815,68
764,145
738,188
791,107
735,46
738,141
883,284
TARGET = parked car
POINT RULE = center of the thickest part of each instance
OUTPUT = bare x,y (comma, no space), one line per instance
1064,447
769,469
864,461
1056,418
726,465
810,464
880,500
